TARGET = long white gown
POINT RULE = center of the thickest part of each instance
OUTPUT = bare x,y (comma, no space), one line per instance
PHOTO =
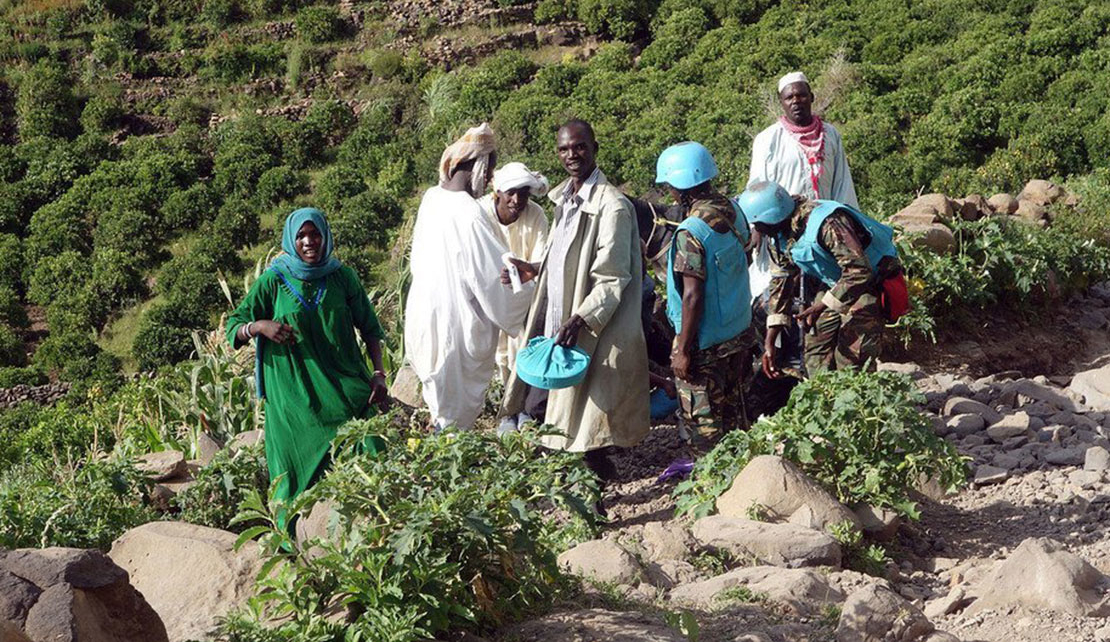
457,306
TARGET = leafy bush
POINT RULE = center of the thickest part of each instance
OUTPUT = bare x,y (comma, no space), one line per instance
672,40
12,350
45,104
237,223
101,114
21,376
859,434
187,209
221,486
165,335
281,183
317,24
465,529
56,277
621,19
81,504
11,262
339,183
220,12
237,62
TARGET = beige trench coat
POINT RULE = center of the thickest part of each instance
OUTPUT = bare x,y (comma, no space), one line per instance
610,406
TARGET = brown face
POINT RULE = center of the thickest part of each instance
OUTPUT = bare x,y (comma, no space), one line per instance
577,151
511,204
797,103
309,244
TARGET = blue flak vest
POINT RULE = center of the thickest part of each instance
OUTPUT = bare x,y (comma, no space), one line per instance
727,301
814,260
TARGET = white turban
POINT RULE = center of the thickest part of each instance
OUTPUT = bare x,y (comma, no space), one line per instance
516,175
791,78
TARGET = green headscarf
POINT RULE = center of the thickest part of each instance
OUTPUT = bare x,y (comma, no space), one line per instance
291,263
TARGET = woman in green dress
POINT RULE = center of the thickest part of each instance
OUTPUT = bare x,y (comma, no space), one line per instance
304,311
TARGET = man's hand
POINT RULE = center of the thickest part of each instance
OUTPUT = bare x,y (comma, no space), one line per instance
567,336
680,363
379,393
770,354
808,317
274,331
526,270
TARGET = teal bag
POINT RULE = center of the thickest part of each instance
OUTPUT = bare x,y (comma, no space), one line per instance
542,364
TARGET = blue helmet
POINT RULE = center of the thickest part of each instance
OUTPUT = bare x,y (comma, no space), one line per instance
685,165
766,202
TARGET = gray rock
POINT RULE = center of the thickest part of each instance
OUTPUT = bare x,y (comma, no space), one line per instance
1041,192
164,465
595,624
966,424
1085,479
1094,386
783,493
974,441
666,541
1066,456
406,387
962,405
877,614
175,563
1041,574
1096,458
207,447
1003,204
1037,391
246,439
1006,461
878,523
955,601
786,545
1031,212
802,591
911,370
603,561
986,475
1009,426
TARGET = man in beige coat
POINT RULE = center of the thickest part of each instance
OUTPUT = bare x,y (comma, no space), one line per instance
588,294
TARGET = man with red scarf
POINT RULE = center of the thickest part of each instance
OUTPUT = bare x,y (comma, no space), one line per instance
800,151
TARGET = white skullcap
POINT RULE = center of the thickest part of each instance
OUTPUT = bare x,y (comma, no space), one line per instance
515,175
791,78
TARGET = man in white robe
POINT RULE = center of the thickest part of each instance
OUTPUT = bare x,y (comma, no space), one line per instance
522,226
800,151
456,305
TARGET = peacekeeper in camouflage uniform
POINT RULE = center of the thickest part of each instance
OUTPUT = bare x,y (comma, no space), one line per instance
708,297
845,323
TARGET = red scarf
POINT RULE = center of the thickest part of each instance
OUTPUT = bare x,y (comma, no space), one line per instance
811,138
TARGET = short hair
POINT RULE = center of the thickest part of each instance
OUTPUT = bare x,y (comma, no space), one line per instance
578,122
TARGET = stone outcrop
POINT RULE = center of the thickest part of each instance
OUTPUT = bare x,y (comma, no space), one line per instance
877,614
786,545
191,575
1042,574
1094,387
782,493
802,591
602,561
72,595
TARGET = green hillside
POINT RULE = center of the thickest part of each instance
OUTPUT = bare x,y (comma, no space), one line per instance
151,146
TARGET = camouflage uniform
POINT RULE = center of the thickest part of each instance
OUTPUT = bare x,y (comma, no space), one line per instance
848,332
713,399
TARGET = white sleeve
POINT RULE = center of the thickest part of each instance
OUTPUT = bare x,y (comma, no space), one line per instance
482,269
760,154
843,189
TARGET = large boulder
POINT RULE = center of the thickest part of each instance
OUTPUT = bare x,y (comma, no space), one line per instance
1028,390
1031,212
875,613
939,203
915,214
72,595
1042,574
963,406
406,387
160,466
803,591
602,561
192,575
933,236
1041,192
666,541
786,545
973,207
782,493
1094,387
1003,204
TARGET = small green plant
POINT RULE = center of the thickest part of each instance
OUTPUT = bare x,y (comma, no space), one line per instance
742,595
685,622
220,487
867,558
757,512
438,531
859,434
712,561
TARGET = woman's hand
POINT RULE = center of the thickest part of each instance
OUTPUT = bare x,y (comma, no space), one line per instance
274,331
379,392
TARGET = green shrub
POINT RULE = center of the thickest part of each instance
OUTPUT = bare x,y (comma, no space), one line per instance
231,63
11,309
20,376
190,111
237,222
319,23
189,208
445,550
84,504
116,279
221,486
54,277
673,40
858,434
17,420
45,104
11,262
13,352
280,184
161,341
220,13
135,232
101,114
338,183
385,63
621,19
64,349
190,282
239,166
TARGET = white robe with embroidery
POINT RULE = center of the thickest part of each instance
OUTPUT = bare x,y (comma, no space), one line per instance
526,238
457,305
